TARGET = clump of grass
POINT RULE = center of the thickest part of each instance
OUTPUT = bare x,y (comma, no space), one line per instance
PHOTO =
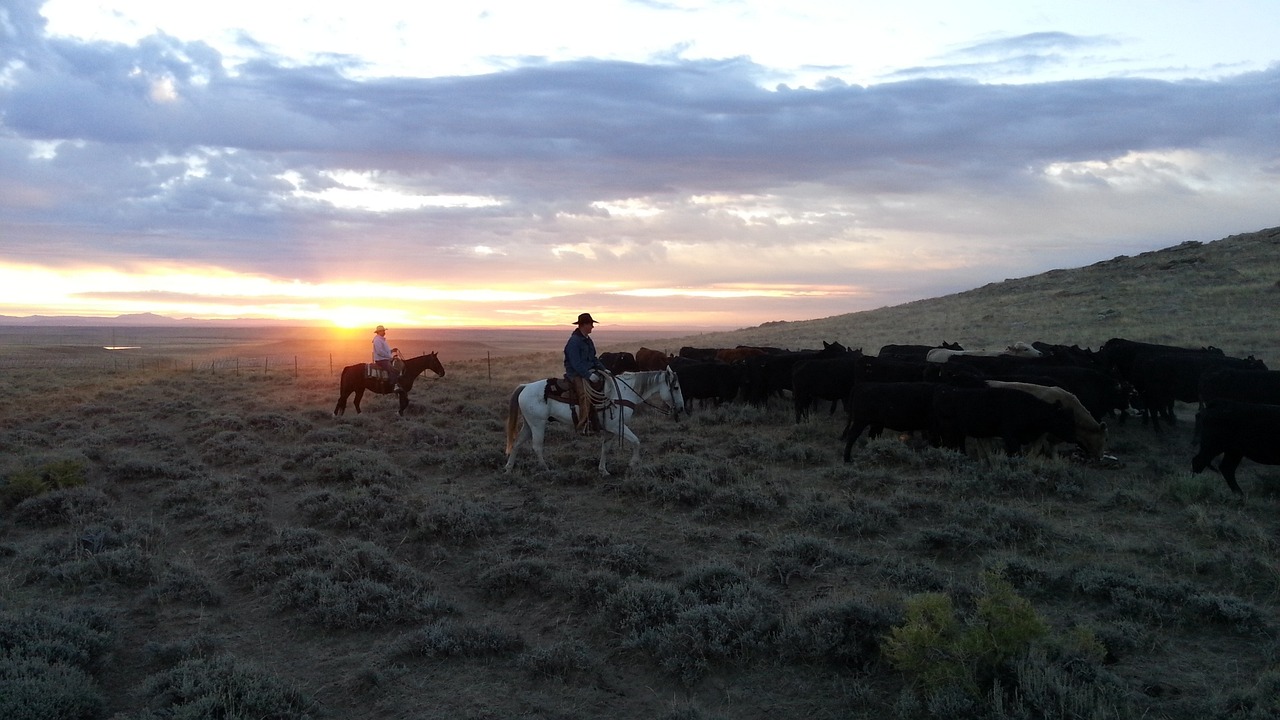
179,583
563,662
46,663
1001,653
447,639
62,507
36,481
802,556
845,633
337,463
363,509
336,584
715,616
114,552
531,576
231,447
461,521
602,551
223,687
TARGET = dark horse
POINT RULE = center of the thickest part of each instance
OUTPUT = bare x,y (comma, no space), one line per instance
354,381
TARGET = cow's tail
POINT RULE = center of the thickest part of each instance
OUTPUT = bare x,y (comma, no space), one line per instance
513,417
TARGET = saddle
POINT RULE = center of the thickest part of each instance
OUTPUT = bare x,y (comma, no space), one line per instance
375,374
561,389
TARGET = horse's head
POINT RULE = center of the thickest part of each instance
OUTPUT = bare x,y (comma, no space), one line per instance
673,396
434,364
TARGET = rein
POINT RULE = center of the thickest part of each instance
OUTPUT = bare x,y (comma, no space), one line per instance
664,409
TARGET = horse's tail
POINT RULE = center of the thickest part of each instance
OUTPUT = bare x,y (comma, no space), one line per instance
513,417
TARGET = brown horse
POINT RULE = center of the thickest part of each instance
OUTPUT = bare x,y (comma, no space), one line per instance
354,380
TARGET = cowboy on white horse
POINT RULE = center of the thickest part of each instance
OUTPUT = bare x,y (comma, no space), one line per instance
580,362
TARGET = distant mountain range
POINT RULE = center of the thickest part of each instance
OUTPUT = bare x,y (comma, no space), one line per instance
138,320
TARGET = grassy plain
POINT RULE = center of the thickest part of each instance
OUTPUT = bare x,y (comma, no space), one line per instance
180,539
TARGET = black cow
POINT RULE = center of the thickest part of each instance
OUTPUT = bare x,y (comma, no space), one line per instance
696,353
703,380
1070,355
912,352
1257,386
904,406
1120,354
619,362
1159,379
1237,430
1013,415
1099,392
881,369
828,377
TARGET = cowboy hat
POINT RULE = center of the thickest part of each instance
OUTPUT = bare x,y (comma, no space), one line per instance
379,329
586,318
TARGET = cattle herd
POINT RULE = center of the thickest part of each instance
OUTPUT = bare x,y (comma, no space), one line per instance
1030,397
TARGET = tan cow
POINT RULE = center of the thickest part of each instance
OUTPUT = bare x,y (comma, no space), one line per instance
1018,349
1091,435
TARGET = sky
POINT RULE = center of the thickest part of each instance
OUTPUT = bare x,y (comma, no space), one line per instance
659,163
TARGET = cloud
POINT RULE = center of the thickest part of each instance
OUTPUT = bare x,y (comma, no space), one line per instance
155,149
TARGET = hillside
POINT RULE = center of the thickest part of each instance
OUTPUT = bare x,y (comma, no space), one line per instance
209,541
1213,293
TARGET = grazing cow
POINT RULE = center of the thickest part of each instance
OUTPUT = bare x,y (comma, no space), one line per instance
824,378
912,353
1012,415
1237,430
647,359
619,362
902,406
705,380
1257,386
1018,349
1089,434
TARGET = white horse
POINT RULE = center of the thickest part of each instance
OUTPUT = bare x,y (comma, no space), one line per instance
530,411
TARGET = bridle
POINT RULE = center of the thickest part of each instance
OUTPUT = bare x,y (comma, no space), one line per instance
663,408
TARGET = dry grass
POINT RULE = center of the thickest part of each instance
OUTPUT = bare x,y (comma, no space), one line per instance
226,547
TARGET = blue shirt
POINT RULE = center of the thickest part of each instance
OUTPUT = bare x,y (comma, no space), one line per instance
580,356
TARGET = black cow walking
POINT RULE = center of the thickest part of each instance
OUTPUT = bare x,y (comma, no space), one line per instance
1237,430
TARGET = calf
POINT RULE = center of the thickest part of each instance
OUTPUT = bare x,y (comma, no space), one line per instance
1237,430
1012,415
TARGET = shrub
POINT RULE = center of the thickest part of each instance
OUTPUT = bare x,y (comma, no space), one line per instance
942,653
846,633
223,687
562,661
717,615
33,482
450,639
62,506
45,664
336,584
